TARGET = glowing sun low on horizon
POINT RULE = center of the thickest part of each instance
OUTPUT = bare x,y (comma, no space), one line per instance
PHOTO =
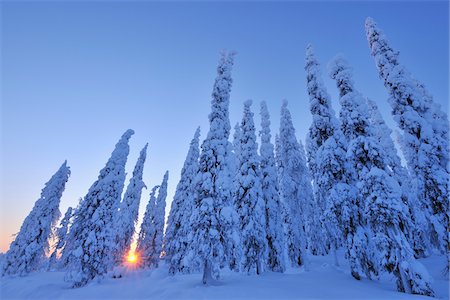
132,258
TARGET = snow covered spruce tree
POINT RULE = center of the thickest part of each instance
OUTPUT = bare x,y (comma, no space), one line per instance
154,235
160,213
127,215
273,205
293,190
215,241
145,242
27,252
418,234
92,232
61,233
249,200
380,242
425,134
179,228
325,146
314,233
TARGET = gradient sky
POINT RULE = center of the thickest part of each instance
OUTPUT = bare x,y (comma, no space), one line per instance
76,75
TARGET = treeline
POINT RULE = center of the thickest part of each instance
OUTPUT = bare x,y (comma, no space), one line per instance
253,208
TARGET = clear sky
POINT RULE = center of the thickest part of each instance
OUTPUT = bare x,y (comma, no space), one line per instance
76,75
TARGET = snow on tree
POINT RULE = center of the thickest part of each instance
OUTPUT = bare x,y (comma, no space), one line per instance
249,200
379,243
160,211
324,119
179,228
425,134
127,215
326,148
270,189
60,235
215,240
314,233
418,234
92,232
27,252
145,242
294,191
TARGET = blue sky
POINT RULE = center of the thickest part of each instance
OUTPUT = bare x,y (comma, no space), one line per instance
76,75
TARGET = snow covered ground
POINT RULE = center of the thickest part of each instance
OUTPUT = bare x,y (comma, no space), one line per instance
322,281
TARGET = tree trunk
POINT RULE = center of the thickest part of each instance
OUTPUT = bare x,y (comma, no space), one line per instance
206,272
335,257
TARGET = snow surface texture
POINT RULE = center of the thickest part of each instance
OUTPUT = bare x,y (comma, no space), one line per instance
323,281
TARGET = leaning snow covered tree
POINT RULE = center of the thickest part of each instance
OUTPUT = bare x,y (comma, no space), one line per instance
151,235
92,232
179,228
215,241
61,233
127,215
425,134
28,250
379,244
145,242
158,220
326,147
324,126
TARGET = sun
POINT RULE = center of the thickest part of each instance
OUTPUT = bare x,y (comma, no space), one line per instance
132,258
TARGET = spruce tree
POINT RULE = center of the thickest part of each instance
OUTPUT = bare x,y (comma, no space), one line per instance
249,200
127,215
179,228
61,233
160,211
27,252
425,134
92,232
270,189
326,156
417,232
293,191
145,242
379,243
215,241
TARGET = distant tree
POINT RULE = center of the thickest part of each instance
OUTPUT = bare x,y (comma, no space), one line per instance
92,231
127,216
249,200
145,243
273,205
179,228
60,236
425,134
160,211
27,252
294,192
215,240
379,243
312,212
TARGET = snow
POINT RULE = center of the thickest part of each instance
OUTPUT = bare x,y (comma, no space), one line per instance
157,284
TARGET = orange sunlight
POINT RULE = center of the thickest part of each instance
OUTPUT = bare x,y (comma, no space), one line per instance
132,258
